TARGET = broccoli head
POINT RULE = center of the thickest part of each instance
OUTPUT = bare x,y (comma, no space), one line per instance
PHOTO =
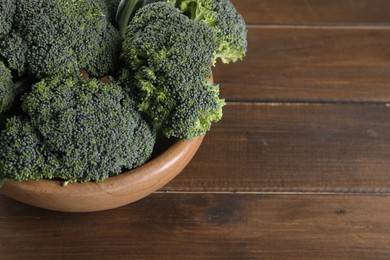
7,94
169,57
7,11
58,37
76,131
224,18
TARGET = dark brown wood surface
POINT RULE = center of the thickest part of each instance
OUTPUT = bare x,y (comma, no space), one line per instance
299,167
205,226
310,65
314,12
293,147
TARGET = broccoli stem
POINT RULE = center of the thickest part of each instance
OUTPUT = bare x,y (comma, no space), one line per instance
126,10
65,183
3,117
23,85
197,13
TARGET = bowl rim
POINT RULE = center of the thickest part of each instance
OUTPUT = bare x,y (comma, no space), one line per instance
113,192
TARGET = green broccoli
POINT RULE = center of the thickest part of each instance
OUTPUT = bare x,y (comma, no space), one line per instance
223,17
112,6
10,93
169,56
76,131
126,11
21,153
7,94
14,49
7,11
195,119
58,37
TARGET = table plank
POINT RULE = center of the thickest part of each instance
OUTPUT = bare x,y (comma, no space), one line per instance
281,147
182,226
310,65
298,136
314,12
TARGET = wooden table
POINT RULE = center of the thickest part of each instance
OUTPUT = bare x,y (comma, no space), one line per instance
299,167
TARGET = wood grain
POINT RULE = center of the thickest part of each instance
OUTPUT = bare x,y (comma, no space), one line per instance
297,169
310,65
281,147
314,12
182,226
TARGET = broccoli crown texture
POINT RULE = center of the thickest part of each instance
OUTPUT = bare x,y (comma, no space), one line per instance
223,17
14,50
188,121
170,56
58,37
6,88
7,10
76,131
21,155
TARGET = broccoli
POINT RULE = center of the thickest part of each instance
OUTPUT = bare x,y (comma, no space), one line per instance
169,58
58,37
7,10
112,6
195,119
7,94
109,8
76,131
21,154
14,49
126,11
224,18
10,93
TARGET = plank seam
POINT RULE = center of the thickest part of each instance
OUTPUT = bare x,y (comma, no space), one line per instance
352,193
277,102
320,26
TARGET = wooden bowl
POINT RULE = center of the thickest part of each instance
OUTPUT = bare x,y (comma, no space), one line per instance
111,193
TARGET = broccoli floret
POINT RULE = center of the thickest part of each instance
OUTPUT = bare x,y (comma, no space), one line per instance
58,37
76,131
224,18
7,11
10,93
188,121
170,56
105,57
14,50
21,153
7,94
126,11
109,8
